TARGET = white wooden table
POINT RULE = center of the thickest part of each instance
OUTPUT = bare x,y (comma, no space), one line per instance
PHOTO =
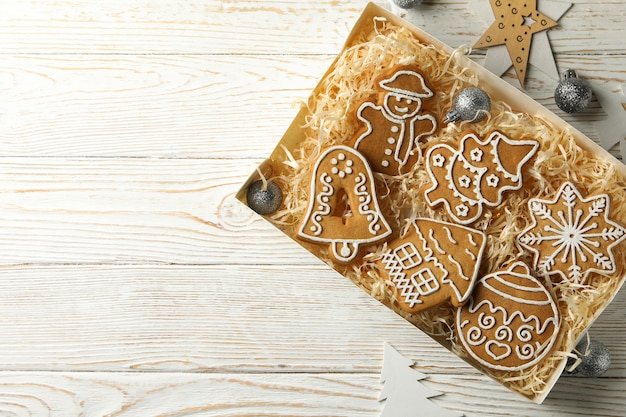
134,284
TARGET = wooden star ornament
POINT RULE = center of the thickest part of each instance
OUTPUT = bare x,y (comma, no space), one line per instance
516,23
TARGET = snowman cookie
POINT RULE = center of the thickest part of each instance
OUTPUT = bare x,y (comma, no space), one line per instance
395,123
343,209
475,174
511,321
432,263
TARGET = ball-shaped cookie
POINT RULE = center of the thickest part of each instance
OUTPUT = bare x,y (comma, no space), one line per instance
511,322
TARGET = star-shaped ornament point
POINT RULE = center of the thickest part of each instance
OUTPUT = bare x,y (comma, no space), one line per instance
516,23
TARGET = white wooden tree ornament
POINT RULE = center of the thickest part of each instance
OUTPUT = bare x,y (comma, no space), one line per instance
612,129
402,392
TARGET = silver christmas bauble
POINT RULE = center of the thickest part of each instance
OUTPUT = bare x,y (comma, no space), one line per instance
595,359
407,4
264,201
471,104
572,94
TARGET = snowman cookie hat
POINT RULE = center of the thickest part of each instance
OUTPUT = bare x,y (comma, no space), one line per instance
407,83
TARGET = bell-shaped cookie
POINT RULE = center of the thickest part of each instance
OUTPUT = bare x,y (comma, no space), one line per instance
343,209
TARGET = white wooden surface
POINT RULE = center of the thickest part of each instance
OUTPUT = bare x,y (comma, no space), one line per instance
133,284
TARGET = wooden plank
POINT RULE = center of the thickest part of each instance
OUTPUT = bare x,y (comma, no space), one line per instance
158,106
243,27
74,394
133,210
191,106
219,318
229,318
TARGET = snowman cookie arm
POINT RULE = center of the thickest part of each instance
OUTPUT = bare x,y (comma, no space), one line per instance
420,126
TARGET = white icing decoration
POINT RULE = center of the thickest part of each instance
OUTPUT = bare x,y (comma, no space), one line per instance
486,322
319,205
460,268
431,235
462,210
434,159
404,259
493,180
498,345
470,253
528,354
475,336
476,155
414,94
439,160
465,181
449,233
528,349
324,208
575,234
524,333
504,333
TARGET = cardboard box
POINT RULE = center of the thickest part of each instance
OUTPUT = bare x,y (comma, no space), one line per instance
290,163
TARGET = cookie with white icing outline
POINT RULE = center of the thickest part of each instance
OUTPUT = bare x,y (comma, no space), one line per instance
572,235
434,262
394,122
511,321
475,174
343,209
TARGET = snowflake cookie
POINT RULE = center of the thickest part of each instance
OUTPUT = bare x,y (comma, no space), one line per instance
343,207
572,235
476,174
434,262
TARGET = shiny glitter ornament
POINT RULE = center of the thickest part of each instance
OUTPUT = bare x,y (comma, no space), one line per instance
572,94
595,359
264,201
471,104
407,4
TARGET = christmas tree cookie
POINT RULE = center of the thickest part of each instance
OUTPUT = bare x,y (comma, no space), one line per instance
433,263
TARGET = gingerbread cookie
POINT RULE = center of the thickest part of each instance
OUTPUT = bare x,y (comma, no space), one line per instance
434,262
572,235
394,123
476,174
511,321
343,208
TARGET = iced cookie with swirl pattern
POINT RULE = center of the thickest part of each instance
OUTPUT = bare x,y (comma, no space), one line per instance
343,210
476,173
434,262
511,321
394,123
